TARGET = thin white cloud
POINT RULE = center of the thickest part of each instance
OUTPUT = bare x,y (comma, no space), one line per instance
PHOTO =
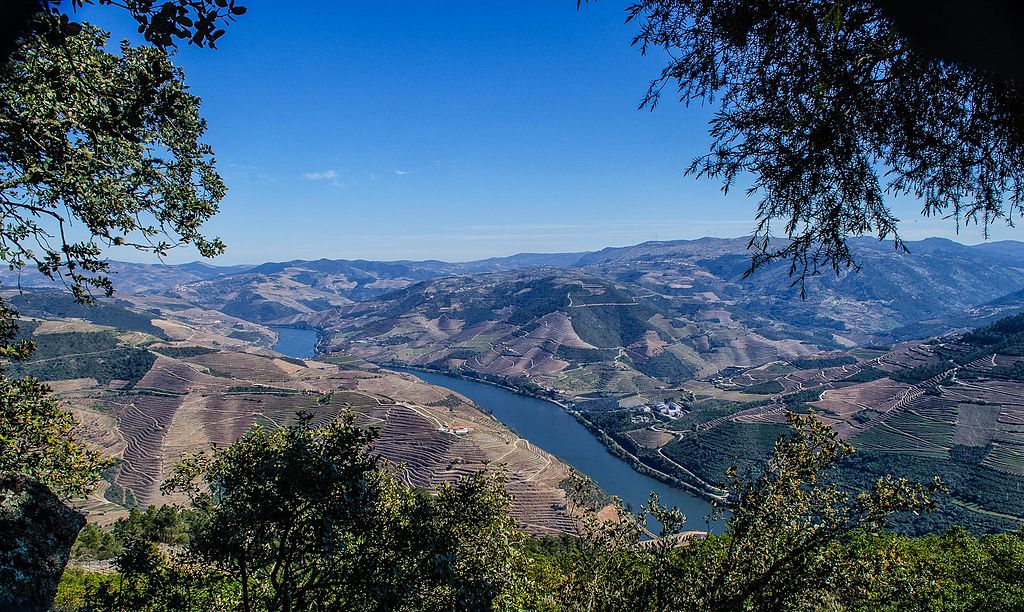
401,172
731,227
326,175
329,176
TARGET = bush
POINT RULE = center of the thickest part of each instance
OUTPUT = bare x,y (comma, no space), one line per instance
767,387
95,544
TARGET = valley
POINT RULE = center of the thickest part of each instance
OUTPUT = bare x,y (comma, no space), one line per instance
949,407
554,429
665,351
149,388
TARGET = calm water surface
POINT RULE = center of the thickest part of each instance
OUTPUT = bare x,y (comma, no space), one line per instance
298,343
544,424
550,427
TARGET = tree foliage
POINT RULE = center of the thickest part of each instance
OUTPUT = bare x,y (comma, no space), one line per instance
162,23
305,518
833,113
786,525
308,518
108,143
115,147
35,433
789,541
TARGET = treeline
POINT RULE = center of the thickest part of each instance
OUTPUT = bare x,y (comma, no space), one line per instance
47,304
867,374
184,352
821,363
767,387
922,373
1005,336
169,525
66,355
306,518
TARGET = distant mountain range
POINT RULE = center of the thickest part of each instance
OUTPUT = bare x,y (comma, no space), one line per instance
627,319
681,298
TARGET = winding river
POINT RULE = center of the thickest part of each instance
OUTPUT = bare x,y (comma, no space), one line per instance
550,427
545,424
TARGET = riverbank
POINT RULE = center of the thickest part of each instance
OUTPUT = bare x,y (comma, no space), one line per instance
612,447
637,464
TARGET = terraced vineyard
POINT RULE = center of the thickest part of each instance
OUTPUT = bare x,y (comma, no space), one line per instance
209,390
952,407
566,330
665,346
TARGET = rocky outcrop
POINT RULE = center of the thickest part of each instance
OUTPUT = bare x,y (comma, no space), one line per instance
36,533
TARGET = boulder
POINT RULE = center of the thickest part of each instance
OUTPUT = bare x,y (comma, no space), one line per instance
37,530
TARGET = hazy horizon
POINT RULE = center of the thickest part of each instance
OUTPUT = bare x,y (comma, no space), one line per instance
222,261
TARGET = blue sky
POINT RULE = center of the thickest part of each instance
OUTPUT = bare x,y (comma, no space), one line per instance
448,130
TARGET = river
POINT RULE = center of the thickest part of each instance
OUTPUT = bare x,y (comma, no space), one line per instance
298,343
545,424
550,427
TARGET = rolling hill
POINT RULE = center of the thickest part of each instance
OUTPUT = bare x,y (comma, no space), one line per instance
703,279
635,318
550,328
149,384
620,333
951,407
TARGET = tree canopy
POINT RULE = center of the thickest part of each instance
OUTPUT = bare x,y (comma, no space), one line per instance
162,23
35,433
96,144
307,517
304,518
96,149
117,148
831,111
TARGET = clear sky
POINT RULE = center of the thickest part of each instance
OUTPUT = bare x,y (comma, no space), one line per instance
448,130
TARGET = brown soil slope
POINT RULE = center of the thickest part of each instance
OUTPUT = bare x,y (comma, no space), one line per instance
205,388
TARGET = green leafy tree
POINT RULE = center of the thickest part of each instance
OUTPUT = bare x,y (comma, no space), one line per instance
166,524
307,517
110,142
281,500
35,433
791,542
787,526
465,551
113,142
95,544
832,111
614,565
952,571
163,23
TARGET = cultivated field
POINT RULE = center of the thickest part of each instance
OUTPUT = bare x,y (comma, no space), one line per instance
205,388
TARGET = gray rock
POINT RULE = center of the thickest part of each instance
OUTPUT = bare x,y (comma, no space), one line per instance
37,530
